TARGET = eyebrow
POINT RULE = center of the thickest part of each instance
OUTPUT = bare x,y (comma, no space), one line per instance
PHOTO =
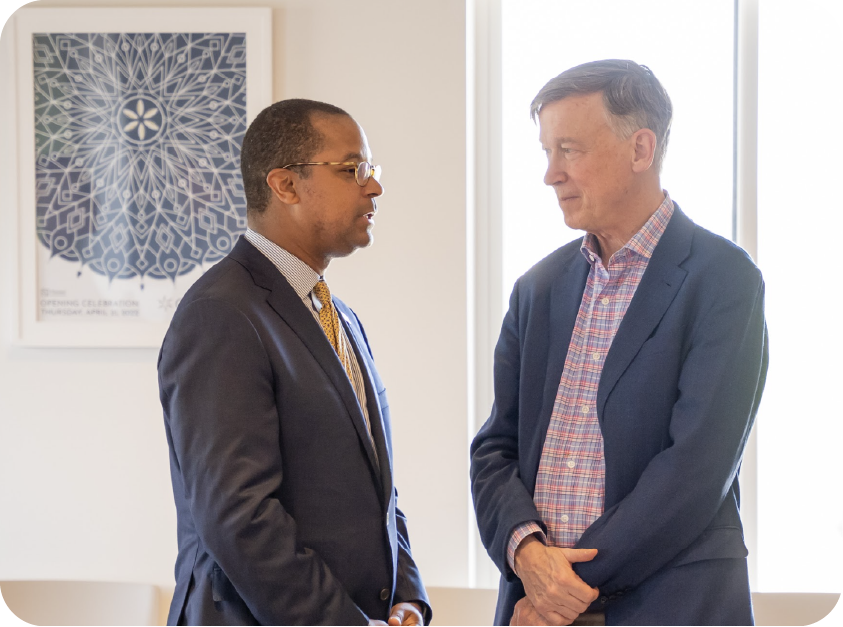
353,155
565,140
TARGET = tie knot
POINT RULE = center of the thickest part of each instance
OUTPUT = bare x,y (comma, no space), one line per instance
322,292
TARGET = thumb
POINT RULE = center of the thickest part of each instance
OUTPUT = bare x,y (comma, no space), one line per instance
396,617
580,555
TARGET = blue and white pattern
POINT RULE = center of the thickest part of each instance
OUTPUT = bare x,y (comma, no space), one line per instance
137,148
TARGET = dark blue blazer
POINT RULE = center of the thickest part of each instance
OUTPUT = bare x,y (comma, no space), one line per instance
285,514
677,397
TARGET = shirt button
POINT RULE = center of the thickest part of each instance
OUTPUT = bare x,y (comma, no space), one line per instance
572,463
605,301
591,257
564,518
595,356
585,409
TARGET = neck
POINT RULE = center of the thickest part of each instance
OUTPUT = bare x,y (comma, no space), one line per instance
284,235
635,216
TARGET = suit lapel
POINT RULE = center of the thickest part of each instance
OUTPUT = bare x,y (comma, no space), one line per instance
659,286
373,403
287,304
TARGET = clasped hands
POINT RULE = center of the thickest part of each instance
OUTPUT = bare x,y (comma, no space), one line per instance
402,614
555,593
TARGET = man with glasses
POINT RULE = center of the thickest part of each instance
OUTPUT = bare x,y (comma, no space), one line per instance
627,377
276,418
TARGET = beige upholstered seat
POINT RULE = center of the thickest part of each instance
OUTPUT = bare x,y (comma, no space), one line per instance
82,602
464,606
783,608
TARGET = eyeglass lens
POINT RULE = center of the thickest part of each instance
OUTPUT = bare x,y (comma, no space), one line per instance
365,170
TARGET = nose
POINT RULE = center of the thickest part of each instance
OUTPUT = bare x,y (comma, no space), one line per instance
373,188
555,173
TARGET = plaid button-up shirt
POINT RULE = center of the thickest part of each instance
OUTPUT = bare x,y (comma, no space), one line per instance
570,484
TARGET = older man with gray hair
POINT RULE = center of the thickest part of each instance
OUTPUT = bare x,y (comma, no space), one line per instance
627,377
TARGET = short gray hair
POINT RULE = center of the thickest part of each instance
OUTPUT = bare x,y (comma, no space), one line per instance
634,98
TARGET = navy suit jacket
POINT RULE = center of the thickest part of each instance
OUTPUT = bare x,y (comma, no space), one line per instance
676,400
285,514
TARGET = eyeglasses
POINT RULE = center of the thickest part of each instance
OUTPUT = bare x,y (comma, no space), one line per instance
363,170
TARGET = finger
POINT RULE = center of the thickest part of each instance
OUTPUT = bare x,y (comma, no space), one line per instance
579,555
516,615
568,595
580,599
568,608
553,612
569,614
412,616
551,618
580,594
403,615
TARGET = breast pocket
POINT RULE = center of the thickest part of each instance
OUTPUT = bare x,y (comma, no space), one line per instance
382,400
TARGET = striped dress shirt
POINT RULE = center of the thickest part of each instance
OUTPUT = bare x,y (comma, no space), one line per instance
570,485
303,278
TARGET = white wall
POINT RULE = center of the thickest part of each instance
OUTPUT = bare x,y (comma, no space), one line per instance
84,477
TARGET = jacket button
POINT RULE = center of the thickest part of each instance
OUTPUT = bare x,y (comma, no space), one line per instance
603,599
384,594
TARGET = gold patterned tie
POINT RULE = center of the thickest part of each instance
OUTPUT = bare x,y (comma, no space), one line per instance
331,325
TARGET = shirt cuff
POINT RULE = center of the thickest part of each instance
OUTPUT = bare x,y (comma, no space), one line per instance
522,531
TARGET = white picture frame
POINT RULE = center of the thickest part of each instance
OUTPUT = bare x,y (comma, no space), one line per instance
49,316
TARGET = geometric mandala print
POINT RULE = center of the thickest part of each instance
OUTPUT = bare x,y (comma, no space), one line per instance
137,149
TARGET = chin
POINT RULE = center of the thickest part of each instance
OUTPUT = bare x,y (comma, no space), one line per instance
357,245
577,220
571,221
368,239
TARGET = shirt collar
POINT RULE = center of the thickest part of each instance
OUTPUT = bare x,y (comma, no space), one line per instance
643,242
298,274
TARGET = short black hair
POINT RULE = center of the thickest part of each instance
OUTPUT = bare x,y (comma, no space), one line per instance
280,134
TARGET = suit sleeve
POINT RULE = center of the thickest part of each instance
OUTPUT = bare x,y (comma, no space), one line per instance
408,582
501,500
683,487
217,391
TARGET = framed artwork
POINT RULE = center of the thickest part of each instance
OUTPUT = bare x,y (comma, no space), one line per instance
130,125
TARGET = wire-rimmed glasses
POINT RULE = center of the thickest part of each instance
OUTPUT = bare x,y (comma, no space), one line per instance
363,170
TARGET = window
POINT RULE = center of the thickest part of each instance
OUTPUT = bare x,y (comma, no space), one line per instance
800,424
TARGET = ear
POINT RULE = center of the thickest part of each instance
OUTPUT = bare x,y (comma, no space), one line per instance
644,142
283,185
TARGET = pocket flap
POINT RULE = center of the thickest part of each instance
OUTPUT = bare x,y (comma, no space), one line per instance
715,543
221,587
